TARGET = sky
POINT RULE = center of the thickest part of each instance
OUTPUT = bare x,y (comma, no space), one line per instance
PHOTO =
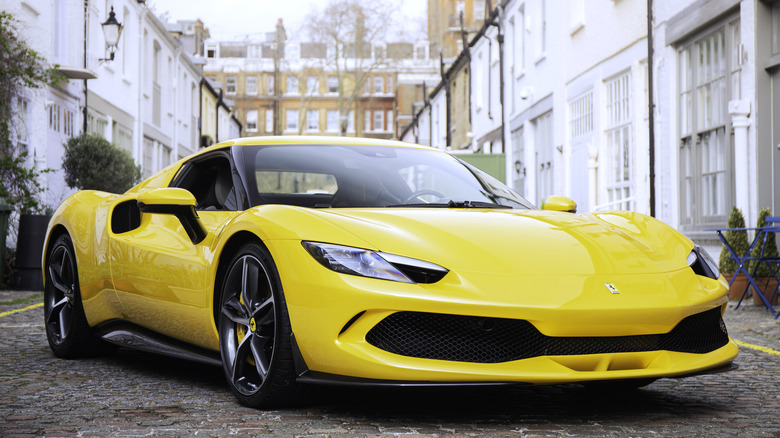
229,19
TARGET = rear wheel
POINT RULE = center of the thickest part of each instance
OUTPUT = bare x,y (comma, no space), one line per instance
67,330
254,331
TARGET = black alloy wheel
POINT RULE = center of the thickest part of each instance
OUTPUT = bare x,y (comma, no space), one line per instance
67,330
254,331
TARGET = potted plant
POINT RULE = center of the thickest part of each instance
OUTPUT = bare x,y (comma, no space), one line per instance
739,243
763,274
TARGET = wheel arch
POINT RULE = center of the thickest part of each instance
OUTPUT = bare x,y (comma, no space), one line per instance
228,251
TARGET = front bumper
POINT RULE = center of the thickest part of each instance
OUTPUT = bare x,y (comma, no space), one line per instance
331,315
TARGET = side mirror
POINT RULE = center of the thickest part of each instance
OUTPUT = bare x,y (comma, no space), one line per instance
559,203
175,201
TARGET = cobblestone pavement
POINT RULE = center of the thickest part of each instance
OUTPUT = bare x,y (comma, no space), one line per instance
136,394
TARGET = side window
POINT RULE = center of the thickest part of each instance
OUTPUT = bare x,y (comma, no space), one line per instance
210,180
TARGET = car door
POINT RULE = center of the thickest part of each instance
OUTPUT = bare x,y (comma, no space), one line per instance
164,280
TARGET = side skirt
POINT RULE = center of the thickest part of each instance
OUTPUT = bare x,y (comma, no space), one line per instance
129,335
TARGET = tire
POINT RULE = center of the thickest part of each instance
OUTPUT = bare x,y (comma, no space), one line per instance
254,332
67,330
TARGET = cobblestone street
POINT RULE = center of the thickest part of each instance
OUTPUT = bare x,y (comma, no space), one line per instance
135,394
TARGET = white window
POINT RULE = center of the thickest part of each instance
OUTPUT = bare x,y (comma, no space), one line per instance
251,121
269,121
367,88
390,89
479,10
269,89
333,121
312,85
292,121
251,85
230,85
379,120
312,120
378,84
21,121
541,33
619,142
708,79
389,120
351,122
460,8
333,84
367,120
292,84
581,115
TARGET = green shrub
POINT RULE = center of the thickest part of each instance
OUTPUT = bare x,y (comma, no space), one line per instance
738,241
762,270
92,163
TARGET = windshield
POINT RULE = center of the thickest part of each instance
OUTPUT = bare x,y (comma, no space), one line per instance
345,176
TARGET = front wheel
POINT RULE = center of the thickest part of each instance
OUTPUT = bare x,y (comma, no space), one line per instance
254,331
67,330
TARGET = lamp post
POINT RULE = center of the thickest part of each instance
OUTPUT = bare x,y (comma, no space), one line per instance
112,30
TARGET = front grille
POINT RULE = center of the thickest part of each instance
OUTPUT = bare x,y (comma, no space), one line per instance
492,340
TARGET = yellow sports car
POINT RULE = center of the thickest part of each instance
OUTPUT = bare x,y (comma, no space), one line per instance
292,261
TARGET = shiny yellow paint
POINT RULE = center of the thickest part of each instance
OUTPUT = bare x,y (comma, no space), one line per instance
550,268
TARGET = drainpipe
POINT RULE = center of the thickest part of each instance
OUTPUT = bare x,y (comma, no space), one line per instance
139,151
447,100
651,105
498,22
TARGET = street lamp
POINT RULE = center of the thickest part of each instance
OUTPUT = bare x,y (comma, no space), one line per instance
112,30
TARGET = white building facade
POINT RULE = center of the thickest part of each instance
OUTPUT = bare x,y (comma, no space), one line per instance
718,128
145,100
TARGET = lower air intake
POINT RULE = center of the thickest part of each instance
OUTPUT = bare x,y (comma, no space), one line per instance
493,340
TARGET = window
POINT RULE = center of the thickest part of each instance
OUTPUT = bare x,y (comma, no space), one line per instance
351,122
123,137
479,10
775,28
333,121
541,37
67,125
379,120
708,79
21,120
292,121
543,139
54,118
460,8
389,120
312,120
581,115
269,88
367,120
269,121
312,85
367,86
378,84
251,85
619,143
251,121
390,89
333,84
292,84
518,43
230,85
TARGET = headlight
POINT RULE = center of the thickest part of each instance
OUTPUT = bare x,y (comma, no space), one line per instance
367,263
702,263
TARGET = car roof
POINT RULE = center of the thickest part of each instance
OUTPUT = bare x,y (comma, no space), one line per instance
316,140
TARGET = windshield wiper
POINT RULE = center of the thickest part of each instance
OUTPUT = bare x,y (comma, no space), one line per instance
454,204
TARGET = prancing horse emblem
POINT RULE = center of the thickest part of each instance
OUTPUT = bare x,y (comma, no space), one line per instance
611,287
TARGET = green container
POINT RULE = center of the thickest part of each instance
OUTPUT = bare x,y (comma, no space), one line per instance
5,213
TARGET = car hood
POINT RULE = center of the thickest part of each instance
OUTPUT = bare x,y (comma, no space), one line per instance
527,242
